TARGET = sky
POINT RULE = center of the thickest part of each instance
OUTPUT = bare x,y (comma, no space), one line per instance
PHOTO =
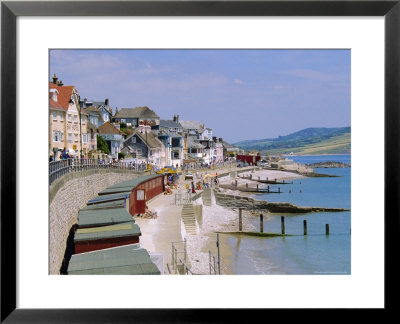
240,94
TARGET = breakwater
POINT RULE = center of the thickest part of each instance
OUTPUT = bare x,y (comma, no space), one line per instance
248,203
329,164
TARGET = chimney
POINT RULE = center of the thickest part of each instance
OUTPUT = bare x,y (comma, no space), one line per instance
214,139
60,84
174,119
106,102
220,139
55,79
177,118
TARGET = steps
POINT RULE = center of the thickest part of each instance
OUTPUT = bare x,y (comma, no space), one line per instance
189,219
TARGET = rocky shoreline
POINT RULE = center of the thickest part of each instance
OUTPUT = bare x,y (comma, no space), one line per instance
248,203
329,164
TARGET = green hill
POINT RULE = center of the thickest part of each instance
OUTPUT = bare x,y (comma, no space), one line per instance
307,141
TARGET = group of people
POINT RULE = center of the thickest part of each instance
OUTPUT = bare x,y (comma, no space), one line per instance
201,184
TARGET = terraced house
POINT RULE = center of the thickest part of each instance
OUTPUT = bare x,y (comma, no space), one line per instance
144,146
169,132
135,116
65,118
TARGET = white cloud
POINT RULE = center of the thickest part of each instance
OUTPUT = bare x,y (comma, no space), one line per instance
238,81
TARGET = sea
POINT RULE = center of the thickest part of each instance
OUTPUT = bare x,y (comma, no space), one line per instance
312,254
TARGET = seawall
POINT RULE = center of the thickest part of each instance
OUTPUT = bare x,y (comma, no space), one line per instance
67,195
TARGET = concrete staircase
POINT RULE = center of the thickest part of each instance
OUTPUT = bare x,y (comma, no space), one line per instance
206,196
189,219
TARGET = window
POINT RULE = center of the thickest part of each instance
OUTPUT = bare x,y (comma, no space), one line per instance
54,116
62,117
69,117
84,138
75,119
140,195
83,120
57,136
76,137
69,137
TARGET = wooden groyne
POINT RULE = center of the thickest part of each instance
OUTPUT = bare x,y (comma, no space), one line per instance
246,188
305,174
267,180
248,203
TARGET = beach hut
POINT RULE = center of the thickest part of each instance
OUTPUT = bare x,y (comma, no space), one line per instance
104,237
102,217
122,260
141,189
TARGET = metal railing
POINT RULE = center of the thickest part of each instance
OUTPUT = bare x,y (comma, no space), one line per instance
212,262
60,168
179,259
182,198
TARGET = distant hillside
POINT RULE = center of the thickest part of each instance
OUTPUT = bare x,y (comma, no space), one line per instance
307,141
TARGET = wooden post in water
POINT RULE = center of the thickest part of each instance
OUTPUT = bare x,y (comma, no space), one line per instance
283,224
235,183
279,190
327,229
247,185
275,180
251,177
257,187
219,259
305,227
261,223
268,189
240,219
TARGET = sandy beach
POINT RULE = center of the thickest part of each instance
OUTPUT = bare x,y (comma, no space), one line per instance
158,233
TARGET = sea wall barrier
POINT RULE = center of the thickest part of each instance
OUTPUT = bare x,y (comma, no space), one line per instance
67,195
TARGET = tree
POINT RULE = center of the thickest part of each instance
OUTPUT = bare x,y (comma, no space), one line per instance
102,145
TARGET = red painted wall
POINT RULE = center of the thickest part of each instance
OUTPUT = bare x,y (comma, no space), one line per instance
87,246
152,188
248,158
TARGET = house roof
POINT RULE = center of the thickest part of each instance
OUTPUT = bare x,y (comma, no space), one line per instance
63,96
191,124
229,146
108,128
150,139
169,123
194,144
138,112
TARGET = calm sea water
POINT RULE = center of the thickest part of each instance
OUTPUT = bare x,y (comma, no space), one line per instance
315,253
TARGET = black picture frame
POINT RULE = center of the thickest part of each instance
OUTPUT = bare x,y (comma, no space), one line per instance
10,10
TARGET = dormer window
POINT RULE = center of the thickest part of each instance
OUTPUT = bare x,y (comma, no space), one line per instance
54,94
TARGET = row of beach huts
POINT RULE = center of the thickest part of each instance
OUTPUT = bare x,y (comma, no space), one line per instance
106,239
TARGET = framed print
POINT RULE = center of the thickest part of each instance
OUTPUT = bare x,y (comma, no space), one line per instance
344,53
